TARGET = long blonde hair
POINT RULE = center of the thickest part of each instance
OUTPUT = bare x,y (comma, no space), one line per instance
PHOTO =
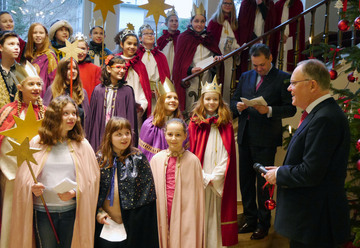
219,16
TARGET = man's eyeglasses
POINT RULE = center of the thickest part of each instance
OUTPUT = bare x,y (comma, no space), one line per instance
293,83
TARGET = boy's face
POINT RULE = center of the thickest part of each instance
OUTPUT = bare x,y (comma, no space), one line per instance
10,48
97,35
62,34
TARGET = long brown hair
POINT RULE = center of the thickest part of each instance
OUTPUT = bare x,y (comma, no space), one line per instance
106,151
219,16
50,130
159,112
199,112
59,85
31,52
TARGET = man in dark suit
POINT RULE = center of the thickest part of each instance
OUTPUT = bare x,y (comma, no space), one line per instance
259,133
312,209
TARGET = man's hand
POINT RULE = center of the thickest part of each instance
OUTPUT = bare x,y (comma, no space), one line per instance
270,176
241,106
261,109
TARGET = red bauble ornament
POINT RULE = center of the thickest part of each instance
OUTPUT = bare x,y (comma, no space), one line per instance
358,165
351,77
270,204
343,25
333,74
357,23
358,145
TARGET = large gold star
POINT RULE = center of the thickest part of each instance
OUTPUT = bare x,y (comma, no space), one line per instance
24,128
23,152
156,8
71,50
105,5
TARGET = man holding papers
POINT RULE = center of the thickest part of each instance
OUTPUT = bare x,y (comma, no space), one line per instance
259,132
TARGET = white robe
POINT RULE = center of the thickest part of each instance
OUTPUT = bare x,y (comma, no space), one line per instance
169,52
149,61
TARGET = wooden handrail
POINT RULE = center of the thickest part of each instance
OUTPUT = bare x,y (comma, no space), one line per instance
267,34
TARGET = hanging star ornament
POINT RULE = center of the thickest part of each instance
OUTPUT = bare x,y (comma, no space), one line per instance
156,8
105,5
71,50
24,128
343,62
338,5
22,151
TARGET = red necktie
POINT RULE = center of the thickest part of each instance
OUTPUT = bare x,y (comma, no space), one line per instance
260,82
303,116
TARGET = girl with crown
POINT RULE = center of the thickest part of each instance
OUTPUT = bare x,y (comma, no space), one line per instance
61,86
179,191
152,138
223,26
167,42
136,75
194,45
40,55
28,92
127,193
212,141
111,98
89,73
155,61
63,153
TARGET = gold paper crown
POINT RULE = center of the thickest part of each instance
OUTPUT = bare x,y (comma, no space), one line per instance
165,88
198,10
211,87
23,72
128,30
171,12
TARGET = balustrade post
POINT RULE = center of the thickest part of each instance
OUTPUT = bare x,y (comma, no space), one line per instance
326,26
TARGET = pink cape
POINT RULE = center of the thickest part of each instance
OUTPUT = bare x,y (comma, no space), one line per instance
187,213
87,178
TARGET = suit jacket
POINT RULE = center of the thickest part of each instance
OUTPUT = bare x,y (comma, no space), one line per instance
311,201
263,131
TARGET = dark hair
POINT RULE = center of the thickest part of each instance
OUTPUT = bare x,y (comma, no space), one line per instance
259,49
6,34
96,27
50,132
117,38
179,121
105,75
316,70
128,35
4,12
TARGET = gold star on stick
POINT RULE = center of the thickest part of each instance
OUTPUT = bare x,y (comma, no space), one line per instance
23,152
24,128
105,5
156,8
71,50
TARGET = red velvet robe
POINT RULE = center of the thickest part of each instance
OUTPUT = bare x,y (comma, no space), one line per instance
294,10
246,21
166,37
184,53
215,29
140,69
160,59
199,135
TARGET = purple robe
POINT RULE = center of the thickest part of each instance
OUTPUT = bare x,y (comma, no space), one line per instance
152,139
45,65
124,106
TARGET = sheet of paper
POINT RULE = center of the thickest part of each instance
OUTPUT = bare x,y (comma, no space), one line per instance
64,186
289,43
255,101
113,232
204,63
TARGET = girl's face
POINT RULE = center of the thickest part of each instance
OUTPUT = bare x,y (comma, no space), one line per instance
227,6
175,135
6,22
173,24
171,103
148,37
211,102
129,46
74,72
39,35
121,140
30,89
84,50
198,23
69,117
117,71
